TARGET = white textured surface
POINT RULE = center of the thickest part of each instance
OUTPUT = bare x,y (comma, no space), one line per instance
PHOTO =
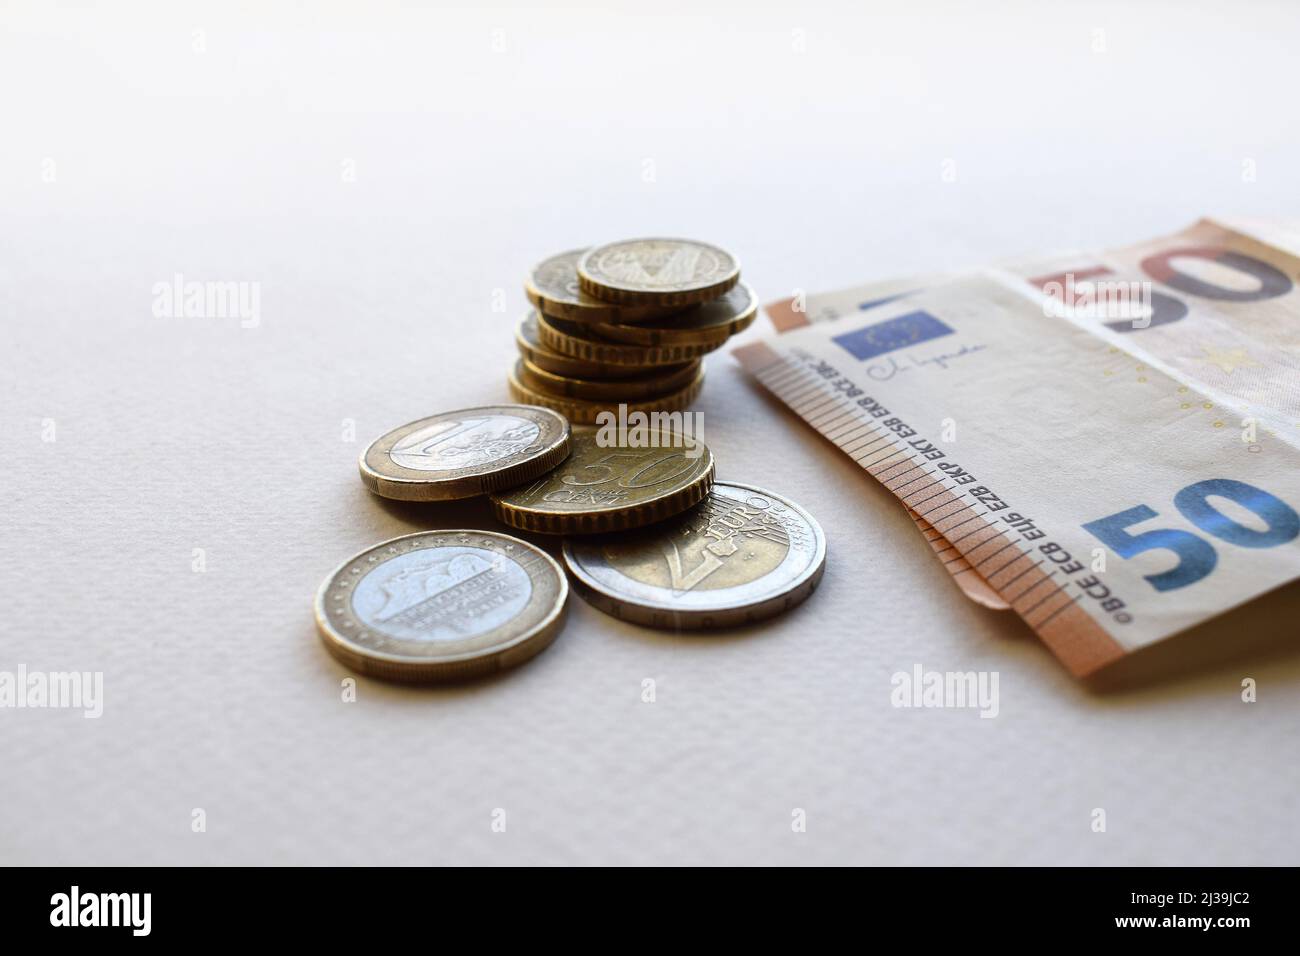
820,169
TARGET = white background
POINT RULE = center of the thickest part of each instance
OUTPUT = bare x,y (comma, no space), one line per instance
820,168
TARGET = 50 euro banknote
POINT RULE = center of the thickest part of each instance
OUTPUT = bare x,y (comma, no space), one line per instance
1114,480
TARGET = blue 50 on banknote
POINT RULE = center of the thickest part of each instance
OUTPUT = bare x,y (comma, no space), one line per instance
1108,444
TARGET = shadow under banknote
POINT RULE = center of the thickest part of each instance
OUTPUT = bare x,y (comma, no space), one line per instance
1258,638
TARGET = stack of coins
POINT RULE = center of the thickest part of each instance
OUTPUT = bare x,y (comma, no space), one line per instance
651,537
626,323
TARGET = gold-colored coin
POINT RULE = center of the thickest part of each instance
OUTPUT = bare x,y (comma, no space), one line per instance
585,412
741,555
467,452
578,341
660,272
553,287
615,478
442,606
710,323
530,347
640,387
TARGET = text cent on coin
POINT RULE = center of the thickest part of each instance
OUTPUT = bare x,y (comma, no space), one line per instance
742,555
467,452
442,605
611,483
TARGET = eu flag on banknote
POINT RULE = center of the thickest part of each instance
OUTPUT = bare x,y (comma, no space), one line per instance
892,335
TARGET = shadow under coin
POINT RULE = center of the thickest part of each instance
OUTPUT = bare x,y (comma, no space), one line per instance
473,513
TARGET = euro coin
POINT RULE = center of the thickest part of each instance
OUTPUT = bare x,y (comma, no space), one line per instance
578,341
441,606
659,272
711,323
614,479
552,286
467,452
636,388
742,555
530,347
587,412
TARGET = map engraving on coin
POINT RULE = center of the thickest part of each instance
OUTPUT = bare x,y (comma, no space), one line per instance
657,271
441,605
463,453
741,555
456,444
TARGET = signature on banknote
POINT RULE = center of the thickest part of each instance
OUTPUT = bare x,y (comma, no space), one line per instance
1151,468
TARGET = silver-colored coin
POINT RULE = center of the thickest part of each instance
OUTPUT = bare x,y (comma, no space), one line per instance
741,555
442,605
467,452
660,272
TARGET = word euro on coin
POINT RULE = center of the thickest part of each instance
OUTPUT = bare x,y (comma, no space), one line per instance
658,272
442,605
741,555
612,480
464,453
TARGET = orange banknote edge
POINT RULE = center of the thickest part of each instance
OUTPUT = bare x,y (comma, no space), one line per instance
786,316
1068,630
